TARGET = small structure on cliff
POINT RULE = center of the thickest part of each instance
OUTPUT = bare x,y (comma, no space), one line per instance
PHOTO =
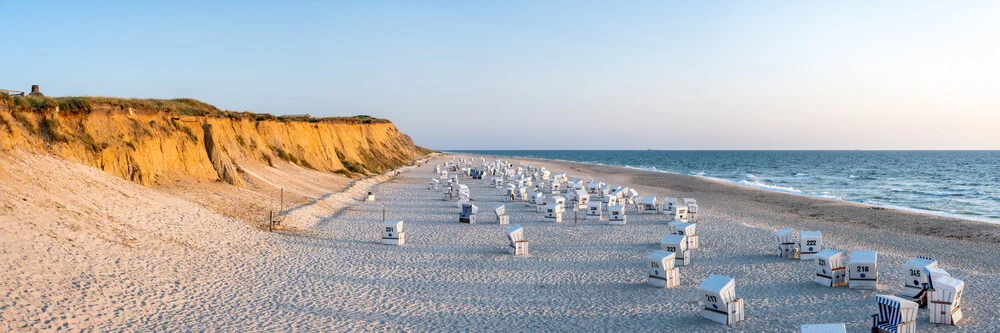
35,92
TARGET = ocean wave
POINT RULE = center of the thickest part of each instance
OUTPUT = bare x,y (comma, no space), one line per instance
928,193
756,182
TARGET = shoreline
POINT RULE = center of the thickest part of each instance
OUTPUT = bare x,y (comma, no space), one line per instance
811,207
766,187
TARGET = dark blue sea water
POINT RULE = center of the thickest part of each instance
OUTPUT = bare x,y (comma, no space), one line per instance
964,184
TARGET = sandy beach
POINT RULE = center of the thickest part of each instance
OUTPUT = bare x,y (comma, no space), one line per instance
84,250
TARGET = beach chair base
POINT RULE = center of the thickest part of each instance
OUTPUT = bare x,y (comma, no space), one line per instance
692,242
595,217
863,284
503,219
395,240
616,222
732,315
670,279
519,248
682,258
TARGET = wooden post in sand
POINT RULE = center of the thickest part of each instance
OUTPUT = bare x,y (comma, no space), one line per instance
270,221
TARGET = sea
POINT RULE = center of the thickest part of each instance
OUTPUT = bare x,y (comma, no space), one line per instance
962,184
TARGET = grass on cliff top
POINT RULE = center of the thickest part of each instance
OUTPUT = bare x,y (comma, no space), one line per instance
178,106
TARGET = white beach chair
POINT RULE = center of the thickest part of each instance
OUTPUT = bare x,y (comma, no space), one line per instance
594,211
895,315
540,202
518,244
616,215
554,212
581,198
831,268
787,247
678,245
370,197
944,298
823,328
501,212
688,229
468,215
609,201
719,300
810,243
392,233
434,185
594,188
648,205
917,279
510,192
522,193
662,273
692,211
863,270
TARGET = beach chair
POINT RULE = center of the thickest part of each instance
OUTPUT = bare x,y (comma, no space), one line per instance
555,187
522,193
540,203
895,315
662,273
594,211
831,268
594,188
501,212
692,211
517,245
609,201
810,243
787,247
616,215
497,182
370,197
463,189
468,215
823,328
719,300
510,192
554,212
688,229
581,198
917,279
863,270
392,233
678,245
648,205
944,297
556,199
434,185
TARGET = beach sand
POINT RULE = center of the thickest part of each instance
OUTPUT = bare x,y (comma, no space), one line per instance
85,250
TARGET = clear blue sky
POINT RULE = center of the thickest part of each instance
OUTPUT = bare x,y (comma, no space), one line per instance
546,74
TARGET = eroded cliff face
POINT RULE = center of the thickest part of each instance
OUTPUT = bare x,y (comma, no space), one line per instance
156,147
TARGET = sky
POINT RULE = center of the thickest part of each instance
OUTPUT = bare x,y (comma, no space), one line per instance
545,74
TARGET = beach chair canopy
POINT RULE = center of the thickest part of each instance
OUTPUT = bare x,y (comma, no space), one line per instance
617,208
393,226
685,228
893,311
515,233
500,209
